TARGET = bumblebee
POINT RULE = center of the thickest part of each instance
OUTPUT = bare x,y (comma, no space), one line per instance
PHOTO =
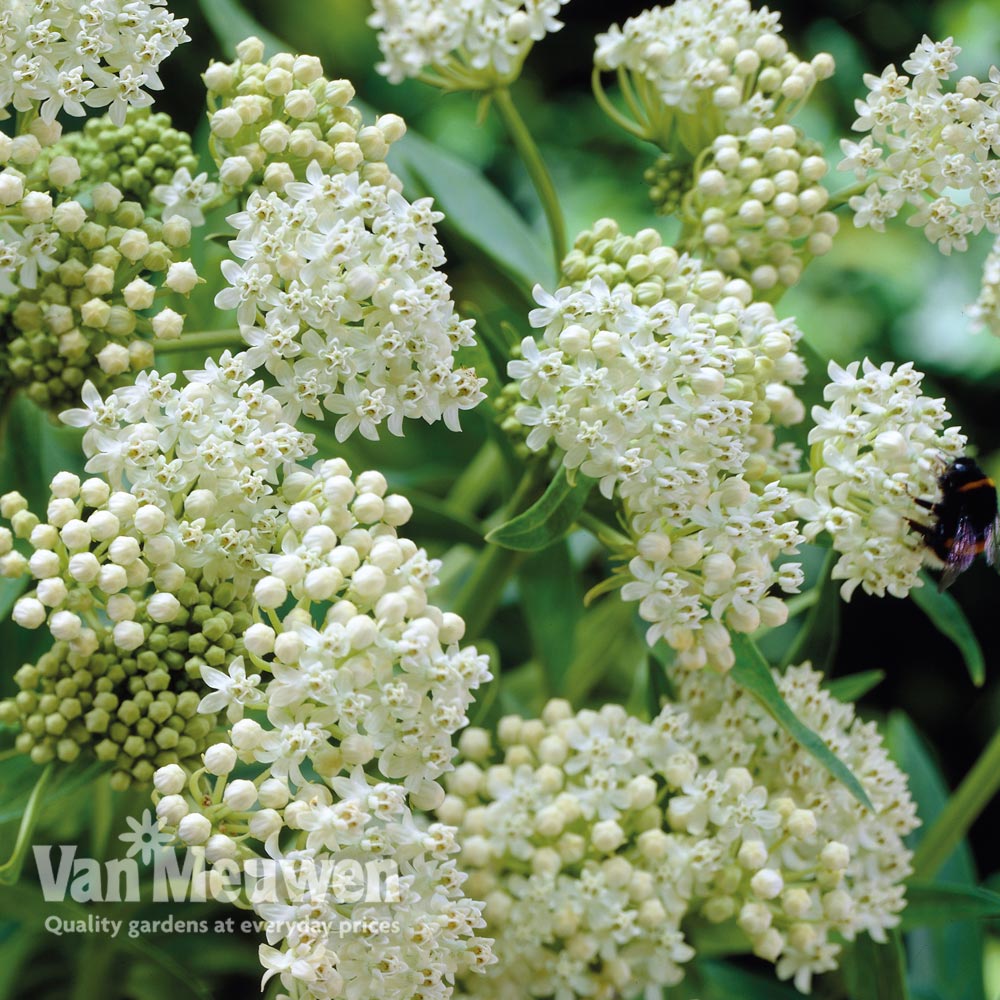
966,522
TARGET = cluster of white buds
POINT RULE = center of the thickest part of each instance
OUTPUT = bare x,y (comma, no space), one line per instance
755,206
211,457
671,406
477,45
363,673
598,834
61,56
935,152
985,311
82,279
697,69
132,630
270,119
339,294
879,447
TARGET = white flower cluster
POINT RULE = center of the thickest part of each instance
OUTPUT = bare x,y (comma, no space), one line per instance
934,151
985,311
214,457
702,68
270,120
362,672
62,56
338,293
670,405
599,833
470,46
878,448
755,206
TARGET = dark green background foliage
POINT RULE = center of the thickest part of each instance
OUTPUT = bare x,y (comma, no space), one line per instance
886,296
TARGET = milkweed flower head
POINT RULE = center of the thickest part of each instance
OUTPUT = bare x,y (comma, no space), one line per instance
363,673
881,445
339,294
66,57
597,834
755,208
271,118
667,391
132,631
85,276
929,153
470,46
697,69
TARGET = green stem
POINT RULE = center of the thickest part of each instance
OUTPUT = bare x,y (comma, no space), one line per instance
537,171
796,481
960,812
477,481
494,567
202,340
10,871
604,533
840,198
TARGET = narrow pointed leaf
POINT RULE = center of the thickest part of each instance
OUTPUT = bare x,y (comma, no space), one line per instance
854,686
949,619
548,519
753,673
876,971
937,904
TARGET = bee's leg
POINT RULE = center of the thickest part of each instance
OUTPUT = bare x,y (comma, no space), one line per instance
921,529
926,504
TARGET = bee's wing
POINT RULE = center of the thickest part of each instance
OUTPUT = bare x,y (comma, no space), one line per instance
963,551
993,543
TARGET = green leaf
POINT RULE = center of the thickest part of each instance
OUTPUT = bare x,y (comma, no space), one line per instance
819,636
549,518
937,904
876,971
230,24
754,675
723,981
949,619
854,686
945,962
437,519
551,602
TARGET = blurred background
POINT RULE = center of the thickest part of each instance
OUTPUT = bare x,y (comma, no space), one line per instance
885,296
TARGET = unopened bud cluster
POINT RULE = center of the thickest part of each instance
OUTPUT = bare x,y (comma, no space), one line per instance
756,207
930,153
598,834
880,446
699,68
663,380
476,45
270,120
133,633
144,151
668,181
79,278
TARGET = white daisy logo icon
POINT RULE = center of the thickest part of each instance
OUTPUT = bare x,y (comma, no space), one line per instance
145,838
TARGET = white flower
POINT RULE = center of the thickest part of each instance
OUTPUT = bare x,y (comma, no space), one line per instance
589,889
659,407
63,56
186,196
708,67
881,446
472,45
340,296
932,151
985,311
